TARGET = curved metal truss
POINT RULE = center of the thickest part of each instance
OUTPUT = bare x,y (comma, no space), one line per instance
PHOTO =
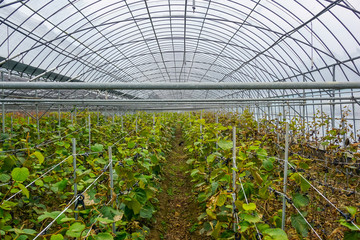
199,41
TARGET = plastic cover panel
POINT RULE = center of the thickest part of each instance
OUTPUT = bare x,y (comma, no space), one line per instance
174,41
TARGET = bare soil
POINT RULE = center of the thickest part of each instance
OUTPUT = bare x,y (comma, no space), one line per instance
176,217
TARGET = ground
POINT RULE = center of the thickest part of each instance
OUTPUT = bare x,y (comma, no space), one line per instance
176,218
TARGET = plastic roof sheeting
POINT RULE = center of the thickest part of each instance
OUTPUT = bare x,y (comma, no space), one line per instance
176,41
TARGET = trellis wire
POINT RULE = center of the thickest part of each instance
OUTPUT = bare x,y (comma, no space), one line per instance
285,196
247,202
41,176
72,201
44,143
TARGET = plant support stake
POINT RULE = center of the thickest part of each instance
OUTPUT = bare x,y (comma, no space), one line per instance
111,180
74,166
234,178
285,174
89,131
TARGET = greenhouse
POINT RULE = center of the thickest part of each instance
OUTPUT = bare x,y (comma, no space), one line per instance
179,119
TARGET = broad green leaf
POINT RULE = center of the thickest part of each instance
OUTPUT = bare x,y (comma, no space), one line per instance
261,153
97,147
298,222
250,218
57,237
4,177
104,236
194,172
39,156
300,200
249,207
276,233
351,235
146,212
7,205
20,174
134,205
140,195
211,214
23,231
217,229
52,215
268,165
211,158
104,220
75,230
39,183
67,219
225,145
351,210
348,224
24,190
214,186
131,144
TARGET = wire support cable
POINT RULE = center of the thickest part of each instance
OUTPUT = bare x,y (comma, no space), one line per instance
71,202
322,195
289,200
350,191
318,191
99,216
42,144
247,202
41,176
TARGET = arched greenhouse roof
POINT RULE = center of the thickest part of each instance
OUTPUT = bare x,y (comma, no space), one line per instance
177,41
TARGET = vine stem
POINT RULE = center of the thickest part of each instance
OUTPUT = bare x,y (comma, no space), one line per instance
12,186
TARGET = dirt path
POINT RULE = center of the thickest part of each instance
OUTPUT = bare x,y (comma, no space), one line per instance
176,218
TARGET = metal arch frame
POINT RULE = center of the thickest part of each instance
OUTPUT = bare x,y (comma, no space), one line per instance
235,78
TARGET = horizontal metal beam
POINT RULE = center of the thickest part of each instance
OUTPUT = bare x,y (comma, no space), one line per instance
179,86
212,100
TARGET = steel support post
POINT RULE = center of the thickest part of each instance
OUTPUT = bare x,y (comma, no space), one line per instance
74,166
333,105
234,179
285,175
122,123
200,124
89,120
3,105
111,180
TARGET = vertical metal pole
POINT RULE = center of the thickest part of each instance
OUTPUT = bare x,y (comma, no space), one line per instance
136,123
153,120
11,124
28,120
200,125
72,118
111,180
122,123
285,174
333,103
98,116
258,117
75,114
3,105
89,120
354,121
189,116
234,177
217,131
277,131
113,117
234,159
74,166
37,116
